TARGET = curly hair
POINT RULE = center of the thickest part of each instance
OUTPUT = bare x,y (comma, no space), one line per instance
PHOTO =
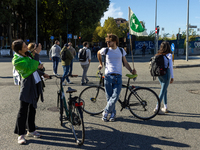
113,38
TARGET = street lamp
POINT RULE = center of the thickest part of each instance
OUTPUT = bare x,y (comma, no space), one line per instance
155,41
36,24
187,31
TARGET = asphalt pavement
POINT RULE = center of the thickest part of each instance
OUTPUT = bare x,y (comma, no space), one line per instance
179,129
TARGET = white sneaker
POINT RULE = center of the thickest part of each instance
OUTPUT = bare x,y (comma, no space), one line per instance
21,139
63,84
34,134
112,117
69,82
161,112
105,115
165,110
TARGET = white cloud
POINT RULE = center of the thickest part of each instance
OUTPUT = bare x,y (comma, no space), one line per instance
112,12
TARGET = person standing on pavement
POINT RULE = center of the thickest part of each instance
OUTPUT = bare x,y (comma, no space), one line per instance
85,65
168,77
113,73
73,52
77,49
66,64
143,50
27,65
54,55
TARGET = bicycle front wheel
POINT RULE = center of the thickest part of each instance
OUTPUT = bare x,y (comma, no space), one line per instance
94,99
77,125
142,102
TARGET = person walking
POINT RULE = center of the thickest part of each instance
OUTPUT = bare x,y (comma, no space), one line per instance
73,52
85,65
27,65
66,64
54,55
168,77
113,73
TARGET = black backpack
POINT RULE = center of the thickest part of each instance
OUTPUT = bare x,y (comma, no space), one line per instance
157,66
107,52
63,54
82,55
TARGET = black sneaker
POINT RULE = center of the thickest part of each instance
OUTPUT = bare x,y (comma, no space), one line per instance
83,83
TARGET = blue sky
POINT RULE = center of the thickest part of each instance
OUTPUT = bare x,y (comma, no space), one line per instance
171,14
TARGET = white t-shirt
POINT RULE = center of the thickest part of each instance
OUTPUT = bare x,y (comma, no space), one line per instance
169,56
113,60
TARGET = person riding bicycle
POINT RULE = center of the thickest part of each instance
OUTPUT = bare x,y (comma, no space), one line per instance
113,73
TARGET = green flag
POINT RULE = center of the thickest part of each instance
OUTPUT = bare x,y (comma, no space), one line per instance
135,27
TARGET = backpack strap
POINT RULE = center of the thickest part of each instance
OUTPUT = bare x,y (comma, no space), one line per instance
107,52
168,61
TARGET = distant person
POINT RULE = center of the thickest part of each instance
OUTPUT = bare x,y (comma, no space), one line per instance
113,73
85,64
143,50
54,55
168,77
66,63
73,52
77,49
27,66
94,50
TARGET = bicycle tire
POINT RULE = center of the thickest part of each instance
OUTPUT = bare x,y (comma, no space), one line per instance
93,98
143,109
61,110
77,125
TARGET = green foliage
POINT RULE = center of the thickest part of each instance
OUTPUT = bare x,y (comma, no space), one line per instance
55,17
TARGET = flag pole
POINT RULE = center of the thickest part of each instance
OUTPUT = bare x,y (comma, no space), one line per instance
131,50
130,37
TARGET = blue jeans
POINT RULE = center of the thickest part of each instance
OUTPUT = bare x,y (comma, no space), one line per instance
55,64
71,68
164,82
66,71
113,85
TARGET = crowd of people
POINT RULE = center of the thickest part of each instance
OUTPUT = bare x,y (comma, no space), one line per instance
26,63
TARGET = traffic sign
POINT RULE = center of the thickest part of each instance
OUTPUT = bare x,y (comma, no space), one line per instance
52,37
69,36
172,47
75,37
192,26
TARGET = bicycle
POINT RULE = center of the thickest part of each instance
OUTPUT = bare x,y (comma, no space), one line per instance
140,102
73,111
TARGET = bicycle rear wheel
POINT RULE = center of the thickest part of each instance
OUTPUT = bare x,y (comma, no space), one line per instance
142,102
94,99
77,125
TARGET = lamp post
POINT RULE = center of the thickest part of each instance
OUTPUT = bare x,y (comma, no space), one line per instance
187,31
36,24
155,41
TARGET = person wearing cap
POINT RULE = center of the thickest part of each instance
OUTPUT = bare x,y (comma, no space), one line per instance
66,63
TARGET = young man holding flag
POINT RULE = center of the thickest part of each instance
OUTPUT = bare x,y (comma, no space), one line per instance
113,73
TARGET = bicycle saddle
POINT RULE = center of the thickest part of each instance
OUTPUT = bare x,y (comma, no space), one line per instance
70,90
131,76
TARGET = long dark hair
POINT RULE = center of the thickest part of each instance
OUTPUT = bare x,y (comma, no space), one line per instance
17,45
164,48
